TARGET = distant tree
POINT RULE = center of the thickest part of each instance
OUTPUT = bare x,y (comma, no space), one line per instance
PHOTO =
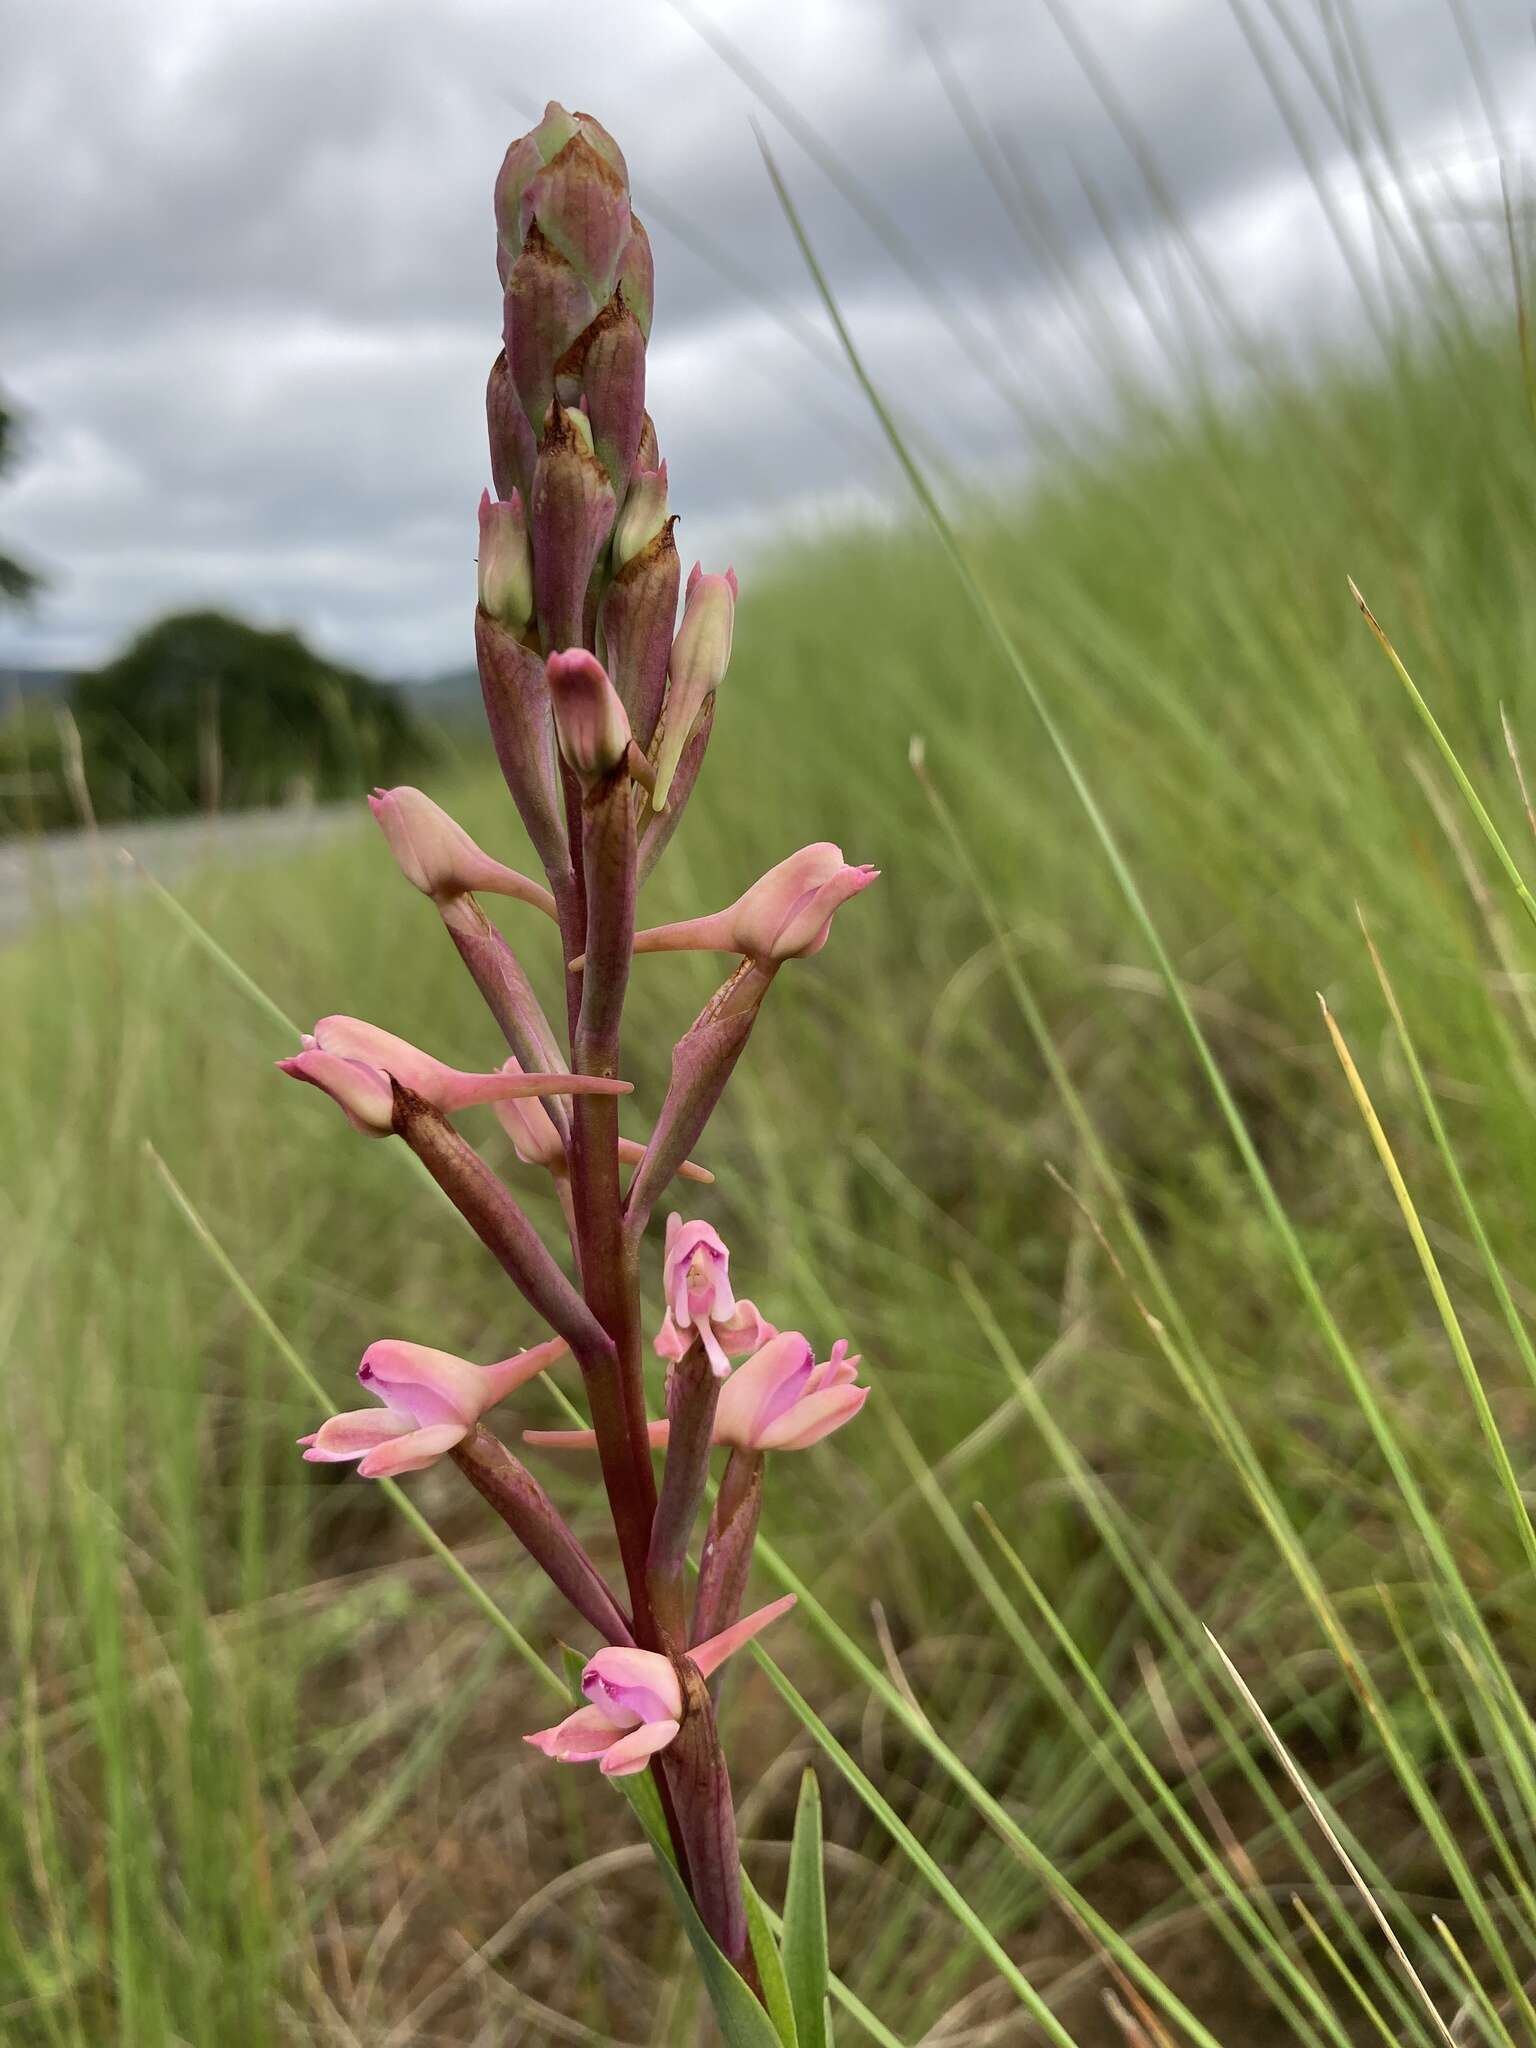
202,711
17,582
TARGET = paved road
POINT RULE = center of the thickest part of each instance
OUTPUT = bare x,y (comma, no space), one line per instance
66,870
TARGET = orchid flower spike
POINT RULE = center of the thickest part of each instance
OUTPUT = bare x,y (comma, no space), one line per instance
786,915
432,1401
348,1044
635,1700
437,856
696,1282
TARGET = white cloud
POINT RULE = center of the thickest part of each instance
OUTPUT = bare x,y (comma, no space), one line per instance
249,297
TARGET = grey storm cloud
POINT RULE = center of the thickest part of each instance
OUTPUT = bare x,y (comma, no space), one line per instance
247,291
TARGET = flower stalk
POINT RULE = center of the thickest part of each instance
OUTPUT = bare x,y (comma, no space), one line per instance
600,702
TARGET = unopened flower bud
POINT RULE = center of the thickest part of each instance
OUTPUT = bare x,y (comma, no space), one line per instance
701,654
524,159
785,915
567,174
505,563
437,856
571,517
589,719
643,516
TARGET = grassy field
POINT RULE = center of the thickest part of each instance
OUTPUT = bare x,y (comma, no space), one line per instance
261,1750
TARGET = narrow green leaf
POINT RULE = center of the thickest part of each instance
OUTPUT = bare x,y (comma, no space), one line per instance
770,1967
805,1920
743,2021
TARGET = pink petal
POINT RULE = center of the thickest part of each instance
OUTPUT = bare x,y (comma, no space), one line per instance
719,1364
745,1331
812,1418
579,1738
412,1452
709,1656
632,1752
671,1343
639,1683
759,1391
360,1089
353,1435
429,1386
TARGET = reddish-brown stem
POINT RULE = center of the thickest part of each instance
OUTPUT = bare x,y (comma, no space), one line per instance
497,1220
609,1275
726,1559
542,1530
695,1770
692,1397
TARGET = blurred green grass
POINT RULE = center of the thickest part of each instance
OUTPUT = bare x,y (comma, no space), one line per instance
267,1770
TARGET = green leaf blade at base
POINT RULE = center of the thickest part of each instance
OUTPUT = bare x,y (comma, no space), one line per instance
805,1922
770,1967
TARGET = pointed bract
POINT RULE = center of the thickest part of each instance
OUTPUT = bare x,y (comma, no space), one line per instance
701,654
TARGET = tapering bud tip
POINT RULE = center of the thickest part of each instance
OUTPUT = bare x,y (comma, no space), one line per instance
590,722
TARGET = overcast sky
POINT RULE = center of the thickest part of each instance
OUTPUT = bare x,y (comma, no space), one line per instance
248,292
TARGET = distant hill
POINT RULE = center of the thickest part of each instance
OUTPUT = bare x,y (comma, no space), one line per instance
452,696
200,712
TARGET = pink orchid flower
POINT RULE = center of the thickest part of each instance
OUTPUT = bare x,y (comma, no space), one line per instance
785,915
636,1701
432,1401
696,1281
780,1400
353,1062
437,856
